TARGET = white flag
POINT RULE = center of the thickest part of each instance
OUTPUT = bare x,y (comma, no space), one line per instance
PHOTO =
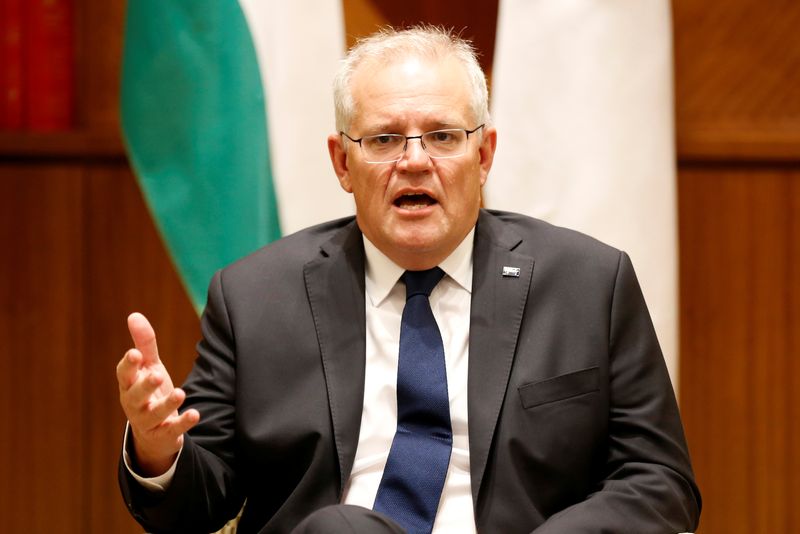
299,45
582,100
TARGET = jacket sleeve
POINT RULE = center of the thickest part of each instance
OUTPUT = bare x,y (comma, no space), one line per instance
204,493
648,484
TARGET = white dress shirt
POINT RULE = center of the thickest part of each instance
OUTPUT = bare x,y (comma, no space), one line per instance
385,297
450,302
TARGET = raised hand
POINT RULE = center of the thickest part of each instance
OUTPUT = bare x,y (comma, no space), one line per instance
151,402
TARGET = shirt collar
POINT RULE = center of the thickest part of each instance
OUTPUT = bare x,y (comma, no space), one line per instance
382,273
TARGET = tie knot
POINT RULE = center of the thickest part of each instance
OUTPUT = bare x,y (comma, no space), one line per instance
421,282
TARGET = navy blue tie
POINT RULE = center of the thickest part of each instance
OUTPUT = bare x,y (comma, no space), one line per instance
417,465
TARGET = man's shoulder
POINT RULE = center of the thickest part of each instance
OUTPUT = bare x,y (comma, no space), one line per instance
539,238
566,261
293,251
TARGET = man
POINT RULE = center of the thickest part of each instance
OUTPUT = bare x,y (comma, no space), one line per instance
558,411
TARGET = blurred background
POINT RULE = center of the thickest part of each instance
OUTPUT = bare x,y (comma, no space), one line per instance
80,251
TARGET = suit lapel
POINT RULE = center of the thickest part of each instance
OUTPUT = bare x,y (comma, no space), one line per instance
498,303
335,286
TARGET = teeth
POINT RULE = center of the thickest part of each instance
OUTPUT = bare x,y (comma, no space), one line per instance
414,201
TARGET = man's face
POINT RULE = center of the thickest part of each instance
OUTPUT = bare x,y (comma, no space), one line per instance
416,210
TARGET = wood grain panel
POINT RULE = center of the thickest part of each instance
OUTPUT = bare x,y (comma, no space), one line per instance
737,79
41,380
739,324
127,269
82,253
99,32
793,355
475,19
78,146
361,17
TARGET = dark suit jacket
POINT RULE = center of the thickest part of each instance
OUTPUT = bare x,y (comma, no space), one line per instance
573,425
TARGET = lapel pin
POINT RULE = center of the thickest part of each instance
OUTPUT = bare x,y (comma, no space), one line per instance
510,272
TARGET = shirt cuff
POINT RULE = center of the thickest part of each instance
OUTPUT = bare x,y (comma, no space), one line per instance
159,483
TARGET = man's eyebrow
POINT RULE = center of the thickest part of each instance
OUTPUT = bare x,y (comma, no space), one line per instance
384,127
448,125
388,126
392,127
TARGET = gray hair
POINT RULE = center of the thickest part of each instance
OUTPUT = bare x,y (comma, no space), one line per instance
425,41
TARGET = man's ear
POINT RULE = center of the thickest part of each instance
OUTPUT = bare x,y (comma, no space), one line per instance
486,151
339,160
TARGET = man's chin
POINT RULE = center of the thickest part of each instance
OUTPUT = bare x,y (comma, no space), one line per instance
418,237
418,250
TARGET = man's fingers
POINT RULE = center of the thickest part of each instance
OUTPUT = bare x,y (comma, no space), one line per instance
185,421
171,429
158,412
156,448
127,369
144,337
143,393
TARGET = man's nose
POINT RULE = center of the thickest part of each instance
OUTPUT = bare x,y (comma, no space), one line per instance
414,157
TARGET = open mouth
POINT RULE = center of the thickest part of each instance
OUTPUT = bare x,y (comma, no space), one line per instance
414,201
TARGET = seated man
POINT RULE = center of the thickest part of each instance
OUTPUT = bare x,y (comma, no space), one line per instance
424,366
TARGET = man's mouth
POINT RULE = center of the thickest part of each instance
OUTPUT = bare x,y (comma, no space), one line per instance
414,201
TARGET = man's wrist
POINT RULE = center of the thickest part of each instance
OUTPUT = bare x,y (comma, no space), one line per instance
159,482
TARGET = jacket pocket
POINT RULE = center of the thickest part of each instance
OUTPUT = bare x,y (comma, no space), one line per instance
560,387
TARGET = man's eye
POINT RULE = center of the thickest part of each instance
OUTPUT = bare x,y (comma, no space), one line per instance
383,142
442,137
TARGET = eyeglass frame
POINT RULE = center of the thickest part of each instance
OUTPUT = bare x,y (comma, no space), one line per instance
407,137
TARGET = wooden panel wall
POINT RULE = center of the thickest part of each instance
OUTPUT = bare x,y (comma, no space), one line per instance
741,335
738,73
738,123
42,346
475,19
80,252
129,271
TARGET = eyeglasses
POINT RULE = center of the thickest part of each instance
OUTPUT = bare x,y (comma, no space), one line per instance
389,148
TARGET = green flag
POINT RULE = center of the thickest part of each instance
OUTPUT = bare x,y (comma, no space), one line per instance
194,122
